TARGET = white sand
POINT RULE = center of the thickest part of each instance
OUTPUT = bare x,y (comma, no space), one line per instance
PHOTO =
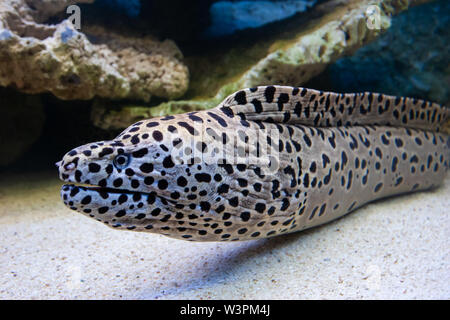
397,248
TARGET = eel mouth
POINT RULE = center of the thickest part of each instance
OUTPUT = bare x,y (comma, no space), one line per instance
124,209
88,199
87,187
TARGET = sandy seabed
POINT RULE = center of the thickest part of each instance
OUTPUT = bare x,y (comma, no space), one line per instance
396,248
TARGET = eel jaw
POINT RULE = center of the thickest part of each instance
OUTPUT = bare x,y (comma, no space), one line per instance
115,207
139,211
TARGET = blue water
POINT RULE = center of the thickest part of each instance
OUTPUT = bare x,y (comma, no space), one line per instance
228,17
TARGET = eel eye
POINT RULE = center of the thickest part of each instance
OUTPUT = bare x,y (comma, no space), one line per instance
121,161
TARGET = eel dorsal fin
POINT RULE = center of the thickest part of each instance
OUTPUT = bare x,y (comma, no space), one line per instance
309,107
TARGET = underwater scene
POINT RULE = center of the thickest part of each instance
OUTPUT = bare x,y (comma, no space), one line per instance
224,149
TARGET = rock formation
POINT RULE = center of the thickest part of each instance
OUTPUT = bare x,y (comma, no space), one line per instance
304,47
36,57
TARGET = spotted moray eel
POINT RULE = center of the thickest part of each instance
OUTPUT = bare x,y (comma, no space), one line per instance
336,152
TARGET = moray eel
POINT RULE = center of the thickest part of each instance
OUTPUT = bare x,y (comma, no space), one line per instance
267,161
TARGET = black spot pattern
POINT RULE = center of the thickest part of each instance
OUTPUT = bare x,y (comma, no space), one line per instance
337,152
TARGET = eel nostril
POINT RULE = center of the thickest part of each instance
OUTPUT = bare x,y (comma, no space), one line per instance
70,166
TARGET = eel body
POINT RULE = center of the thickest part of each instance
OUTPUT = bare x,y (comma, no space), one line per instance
266,161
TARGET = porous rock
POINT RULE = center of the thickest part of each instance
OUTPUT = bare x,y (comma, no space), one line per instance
36,57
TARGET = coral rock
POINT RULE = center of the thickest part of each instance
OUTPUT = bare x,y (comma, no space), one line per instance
36,58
